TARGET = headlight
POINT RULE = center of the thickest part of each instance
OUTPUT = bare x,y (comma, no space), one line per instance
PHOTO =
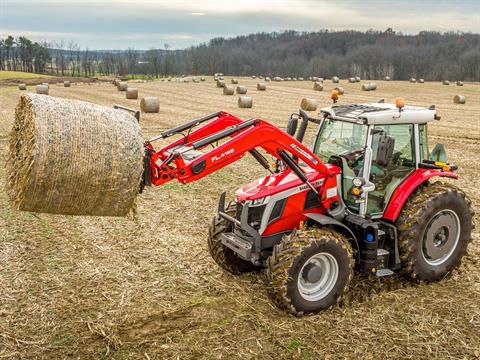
358,182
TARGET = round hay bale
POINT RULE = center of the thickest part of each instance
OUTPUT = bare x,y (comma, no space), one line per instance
186,80
335,80
150,104
261,86
202,78
220,74
228,90
234,81
221,78
373,86
413,80
74,158
314,78
446,82
421,81
66,83
310,78
308,104
116,82
195,80
132,93
22,86
277,78
300,79
220,83
357,79
340,90
351,79
42,89
122,86
387,78
459,99
459,83
260,77
317,86
294,79
254,77
366,87
245,102
267,79
241,89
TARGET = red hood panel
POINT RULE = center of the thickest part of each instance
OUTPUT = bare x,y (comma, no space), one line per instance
273,184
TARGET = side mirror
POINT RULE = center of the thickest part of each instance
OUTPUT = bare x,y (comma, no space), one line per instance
292,126
386,143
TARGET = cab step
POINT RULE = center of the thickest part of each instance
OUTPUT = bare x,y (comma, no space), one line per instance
382,263
384,272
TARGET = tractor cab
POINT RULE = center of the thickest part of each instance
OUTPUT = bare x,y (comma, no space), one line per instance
377,146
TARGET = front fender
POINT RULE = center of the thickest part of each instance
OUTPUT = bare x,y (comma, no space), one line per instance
401,194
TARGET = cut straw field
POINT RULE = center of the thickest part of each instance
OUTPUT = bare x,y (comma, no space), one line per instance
146,287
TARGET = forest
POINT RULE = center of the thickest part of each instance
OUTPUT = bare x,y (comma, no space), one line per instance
371,55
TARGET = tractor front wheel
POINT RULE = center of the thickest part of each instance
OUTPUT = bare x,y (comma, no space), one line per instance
435,227
222,255
309,270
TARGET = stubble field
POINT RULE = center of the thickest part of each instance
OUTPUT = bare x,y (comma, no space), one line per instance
146,287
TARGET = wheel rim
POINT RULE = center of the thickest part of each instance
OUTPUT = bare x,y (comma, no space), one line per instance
441,237
318,276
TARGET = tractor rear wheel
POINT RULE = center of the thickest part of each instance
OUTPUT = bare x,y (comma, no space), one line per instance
435,227
222,255
309,270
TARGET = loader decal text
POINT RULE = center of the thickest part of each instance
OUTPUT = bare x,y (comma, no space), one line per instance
226,153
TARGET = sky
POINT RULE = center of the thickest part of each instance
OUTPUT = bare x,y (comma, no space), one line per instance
144,24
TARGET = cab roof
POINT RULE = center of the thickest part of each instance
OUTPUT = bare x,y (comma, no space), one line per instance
380,114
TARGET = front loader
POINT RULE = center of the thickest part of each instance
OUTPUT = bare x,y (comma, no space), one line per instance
359,200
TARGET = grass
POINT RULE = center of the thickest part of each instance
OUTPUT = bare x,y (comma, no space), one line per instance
6,75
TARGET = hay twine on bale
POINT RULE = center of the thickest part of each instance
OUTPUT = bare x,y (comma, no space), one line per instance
42,89
245,102
228,90
261,86
308,104
241,89
22,86
150,104
459,99
132,93
72,157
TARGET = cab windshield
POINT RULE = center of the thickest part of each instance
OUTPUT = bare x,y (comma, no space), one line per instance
339,138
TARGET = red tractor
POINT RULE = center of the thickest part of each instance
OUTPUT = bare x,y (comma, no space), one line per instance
359,199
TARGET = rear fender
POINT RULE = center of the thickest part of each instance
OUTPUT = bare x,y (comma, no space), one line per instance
406,188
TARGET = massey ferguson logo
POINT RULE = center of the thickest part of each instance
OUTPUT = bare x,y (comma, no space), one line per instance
226,153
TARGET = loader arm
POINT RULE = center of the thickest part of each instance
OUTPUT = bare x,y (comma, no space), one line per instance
183,161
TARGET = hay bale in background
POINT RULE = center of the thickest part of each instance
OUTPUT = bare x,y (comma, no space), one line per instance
300,79
234,81
66,83
202,78
150,104
366,87
277,78
369,87
317,86
132,93
261,86
341,90
241,89
220,83
22,86
446,82
288,79
267,79
228,90
351,79
245,102
421,81
459,99
195,80
73,157
387,78
357,79
335,80
413,80
260,77
42,89
459,83
116,82
122,86
308,104
254,77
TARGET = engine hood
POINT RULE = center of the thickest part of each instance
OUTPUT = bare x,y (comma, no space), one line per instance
273,184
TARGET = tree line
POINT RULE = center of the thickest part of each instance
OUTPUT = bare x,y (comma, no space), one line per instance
371,55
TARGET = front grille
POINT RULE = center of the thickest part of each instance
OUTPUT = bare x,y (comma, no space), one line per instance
254,216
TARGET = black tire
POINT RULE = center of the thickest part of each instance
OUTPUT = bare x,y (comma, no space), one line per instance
286,265
222,255
419,231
